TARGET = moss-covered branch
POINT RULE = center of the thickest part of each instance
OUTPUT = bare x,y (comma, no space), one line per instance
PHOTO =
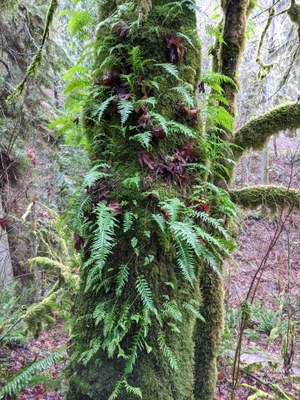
37,58
269,196
255,133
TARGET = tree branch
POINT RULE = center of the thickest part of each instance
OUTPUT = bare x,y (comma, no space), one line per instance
271,196
255,133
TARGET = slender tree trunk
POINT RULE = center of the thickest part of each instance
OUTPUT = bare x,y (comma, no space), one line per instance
6,271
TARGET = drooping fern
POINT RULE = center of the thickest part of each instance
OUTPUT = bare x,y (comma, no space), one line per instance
102,244
25,376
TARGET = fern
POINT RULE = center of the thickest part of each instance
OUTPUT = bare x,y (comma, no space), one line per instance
132,390
170,69
122,278
25,376
171,311
102,244
185,260
103,106
187,97
167,352
94,174
144,139
125,108
145,293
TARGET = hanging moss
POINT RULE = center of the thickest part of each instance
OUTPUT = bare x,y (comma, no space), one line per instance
37,58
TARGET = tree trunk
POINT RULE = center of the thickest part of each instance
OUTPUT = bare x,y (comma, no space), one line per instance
6,271
162,354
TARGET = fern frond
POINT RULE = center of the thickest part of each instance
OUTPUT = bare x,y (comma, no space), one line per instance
145,292
171,311
167,352
132,390
187,97
102,244
177,127
125,108
185,260
144,139
170,69
24,377
122,278
94,174
103,106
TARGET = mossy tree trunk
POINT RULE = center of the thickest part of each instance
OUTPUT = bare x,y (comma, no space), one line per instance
131,72
137,323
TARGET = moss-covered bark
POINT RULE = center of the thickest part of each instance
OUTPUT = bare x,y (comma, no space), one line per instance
96,378
232,49
272,197
208,335
255,133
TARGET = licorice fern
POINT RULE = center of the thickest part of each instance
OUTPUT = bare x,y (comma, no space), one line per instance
102,243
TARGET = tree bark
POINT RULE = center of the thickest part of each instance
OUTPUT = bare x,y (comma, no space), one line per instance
103,374
6,271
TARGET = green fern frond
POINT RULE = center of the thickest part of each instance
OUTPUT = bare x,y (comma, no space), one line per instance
94,174
185,231
144,139
185,260
177,127
25,376
170,69
167,352
102,244
145,292
103,106
186,93
132,390
125,108
122,278
171,311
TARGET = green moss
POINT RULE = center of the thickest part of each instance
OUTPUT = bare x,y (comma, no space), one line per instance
273,197
255,133
208,334
294,12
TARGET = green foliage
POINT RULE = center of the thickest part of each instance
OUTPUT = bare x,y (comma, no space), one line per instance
101,246
12,326
25,377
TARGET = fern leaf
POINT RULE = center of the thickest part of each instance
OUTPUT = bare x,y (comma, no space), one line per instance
23,378
167,351
125,108
122,278
103,242
170,69
103,106
144,139
145,293
185,260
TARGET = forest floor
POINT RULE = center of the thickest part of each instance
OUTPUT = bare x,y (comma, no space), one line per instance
276,308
